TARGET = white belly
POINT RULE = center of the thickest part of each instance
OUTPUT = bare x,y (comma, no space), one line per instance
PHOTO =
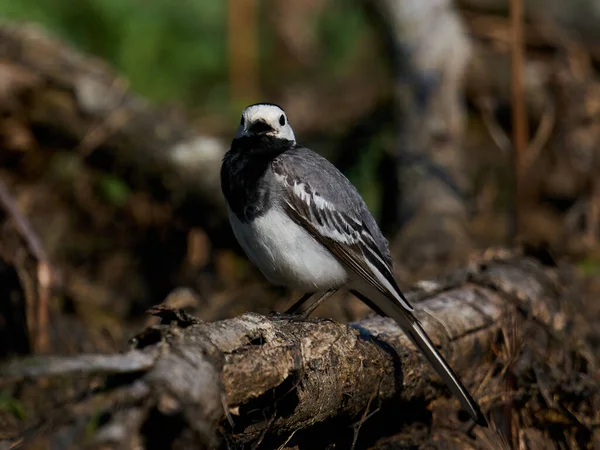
287,254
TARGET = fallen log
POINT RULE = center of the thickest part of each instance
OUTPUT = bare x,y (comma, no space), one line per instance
429,53
270,381
80,103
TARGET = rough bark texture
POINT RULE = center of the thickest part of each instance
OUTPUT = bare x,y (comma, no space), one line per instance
254,379
80,103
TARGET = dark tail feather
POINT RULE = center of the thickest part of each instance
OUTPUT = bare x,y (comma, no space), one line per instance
413,329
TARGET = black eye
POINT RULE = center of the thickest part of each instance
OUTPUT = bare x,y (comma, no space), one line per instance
242,121
282,120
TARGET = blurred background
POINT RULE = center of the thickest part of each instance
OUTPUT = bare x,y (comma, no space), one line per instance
115,115
466,125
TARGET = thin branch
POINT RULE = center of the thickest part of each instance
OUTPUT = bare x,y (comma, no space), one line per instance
23,226
107,126
366,414
133,361
492,126
542,134
243,49
37,317
519,112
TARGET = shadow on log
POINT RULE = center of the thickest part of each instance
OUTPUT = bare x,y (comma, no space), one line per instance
264,382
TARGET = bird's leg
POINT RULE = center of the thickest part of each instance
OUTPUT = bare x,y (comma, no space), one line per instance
368,302
316,303
294,308
292,312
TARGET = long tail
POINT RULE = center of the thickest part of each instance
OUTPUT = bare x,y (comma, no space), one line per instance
409,324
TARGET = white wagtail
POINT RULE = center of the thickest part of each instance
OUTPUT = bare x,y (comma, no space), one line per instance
305,226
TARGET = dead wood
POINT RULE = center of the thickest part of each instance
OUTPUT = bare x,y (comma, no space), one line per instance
47,276
429,51
254,379
77,102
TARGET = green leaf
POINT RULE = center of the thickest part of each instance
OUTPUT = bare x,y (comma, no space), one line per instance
13,406
114,190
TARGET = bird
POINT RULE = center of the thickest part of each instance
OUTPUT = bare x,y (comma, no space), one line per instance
306,227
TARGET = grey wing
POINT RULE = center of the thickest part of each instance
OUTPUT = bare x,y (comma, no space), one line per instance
335,187
319,198
380,240
334,214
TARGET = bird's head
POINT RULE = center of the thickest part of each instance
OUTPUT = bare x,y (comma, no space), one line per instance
265,119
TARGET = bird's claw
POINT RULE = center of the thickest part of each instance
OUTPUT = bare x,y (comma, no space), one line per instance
290,317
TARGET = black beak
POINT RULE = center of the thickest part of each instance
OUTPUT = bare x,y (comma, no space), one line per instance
260,127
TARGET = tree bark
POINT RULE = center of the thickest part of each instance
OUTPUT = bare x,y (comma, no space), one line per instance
429,52
256,379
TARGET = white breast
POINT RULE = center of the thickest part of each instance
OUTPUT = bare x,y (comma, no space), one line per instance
287,254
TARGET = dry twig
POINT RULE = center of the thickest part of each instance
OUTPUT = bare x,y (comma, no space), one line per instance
37,315
519,112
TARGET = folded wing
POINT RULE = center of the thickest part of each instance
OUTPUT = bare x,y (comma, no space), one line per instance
349,239
344,234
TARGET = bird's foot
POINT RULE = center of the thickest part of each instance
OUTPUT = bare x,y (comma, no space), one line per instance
297,317
291,317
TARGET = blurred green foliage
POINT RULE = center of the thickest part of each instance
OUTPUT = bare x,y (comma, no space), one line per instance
12,405
363,174
166,51
114,190
589,266
177,51
341,28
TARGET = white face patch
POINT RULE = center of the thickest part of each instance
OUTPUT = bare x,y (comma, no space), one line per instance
272,115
